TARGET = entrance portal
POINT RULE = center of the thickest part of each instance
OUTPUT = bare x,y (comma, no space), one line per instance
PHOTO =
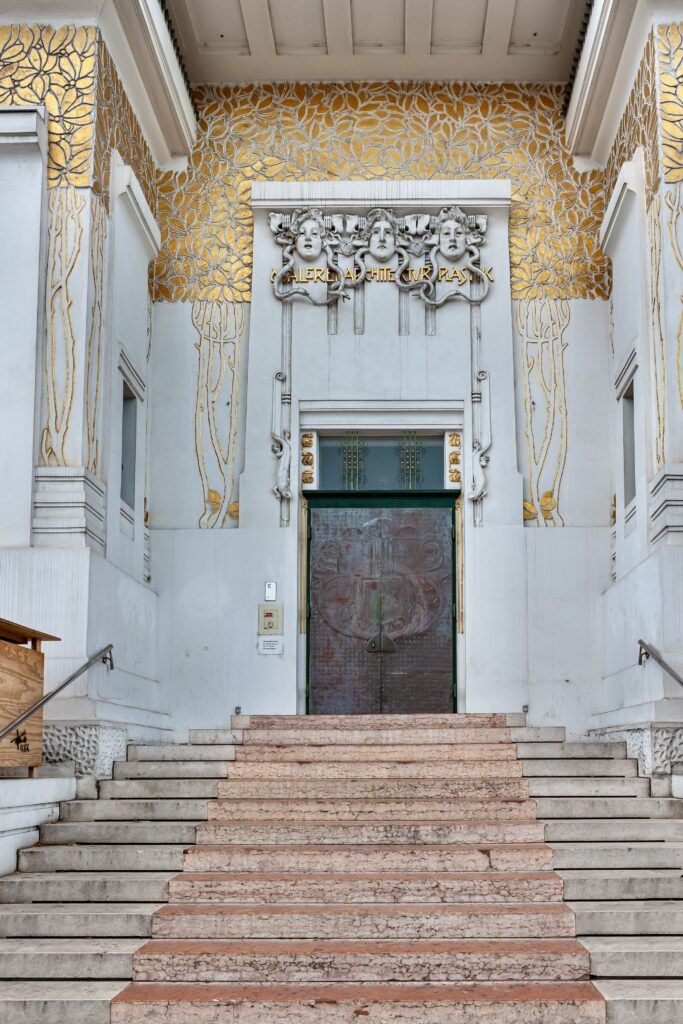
381,605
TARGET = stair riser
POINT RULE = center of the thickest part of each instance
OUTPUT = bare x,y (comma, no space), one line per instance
585,856
658,921
377,789
612,831
571,750
341,770
617,807
354,890
471,720
407,753
74,858
367,967
152,789
542,768
60,966
309,1011
640,964
135,810
31,924
331,833
67,890
587,787
169,770
451,923
128,833
180,752
623,889
362,810
374,737
308,859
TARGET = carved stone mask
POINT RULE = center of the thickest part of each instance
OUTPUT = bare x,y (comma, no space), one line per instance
452,240
309,242
382,243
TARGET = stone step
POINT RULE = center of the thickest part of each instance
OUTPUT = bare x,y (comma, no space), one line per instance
340,810
215,737
624,855
53,920
608,807
468,721
623,884
380,887
561,1002
57,1002
591,749
166,789
134,810
385,736
306,859
588,787
102,858
635,956
170,770
81,886
592,767
54,959
632,1001
628,917
612,830
156,832
301,961
370,920
372,789
334,832
180,752
412,753
338,770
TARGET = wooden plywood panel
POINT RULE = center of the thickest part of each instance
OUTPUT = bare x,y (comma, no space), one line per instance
21,685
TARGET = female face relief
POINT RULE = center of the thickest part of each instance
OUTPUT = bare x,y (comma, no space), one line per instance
452,240
382,244
309,241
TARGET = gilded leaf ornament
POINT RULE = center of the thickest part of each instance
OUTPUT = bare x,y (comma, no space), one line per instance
382,130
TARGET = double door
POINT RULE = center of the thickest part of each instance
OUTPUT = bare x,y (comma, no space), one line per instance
381,605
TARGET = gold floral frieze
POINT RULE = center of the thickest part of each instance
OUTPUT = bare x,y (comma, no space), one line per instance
54,68
376,131
638,126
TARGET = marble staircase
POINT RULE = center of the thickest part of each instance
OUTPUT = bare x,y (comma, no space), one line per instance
465,868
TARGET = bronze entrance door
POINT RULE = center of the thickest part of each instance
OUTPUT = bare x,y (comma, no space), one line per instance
381,607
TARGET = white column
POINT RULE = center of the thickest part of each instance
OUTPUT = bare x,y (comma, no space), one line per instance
23,151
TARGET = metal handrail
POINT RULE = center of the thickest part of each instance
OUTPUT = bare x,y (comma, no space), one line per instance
647,651
104,655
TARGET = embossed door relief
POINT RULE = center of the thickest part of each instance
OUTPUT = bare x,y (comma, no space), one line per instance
381,618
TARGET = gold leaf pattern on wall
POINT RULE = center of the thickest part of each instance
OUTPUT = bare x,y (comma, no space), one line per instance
374,131
94,354
55,67
116,127
541,324
221,327
639,126
670,54
654,234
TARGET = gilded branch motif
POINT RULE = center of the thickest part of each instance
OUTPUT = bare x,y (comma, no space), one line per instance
93,370
374,131
654,233
638,126
541,324
221,327
670,51
65,241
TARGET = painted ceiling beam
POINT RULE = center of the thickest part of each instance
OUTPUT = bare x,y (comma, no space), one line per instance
338,27
498,28
259,28
418,27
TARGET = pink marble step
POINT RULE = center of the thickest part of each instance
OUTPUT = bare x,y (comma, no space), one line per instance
406,752
384,887
381,734
305,859
467,721
339,770
382,832
485,1003
285,809
298,961
376,921
372,789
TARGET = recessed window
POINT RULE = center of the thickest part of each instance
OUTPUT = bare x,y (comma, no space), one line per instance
629,445
129,423
357,462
